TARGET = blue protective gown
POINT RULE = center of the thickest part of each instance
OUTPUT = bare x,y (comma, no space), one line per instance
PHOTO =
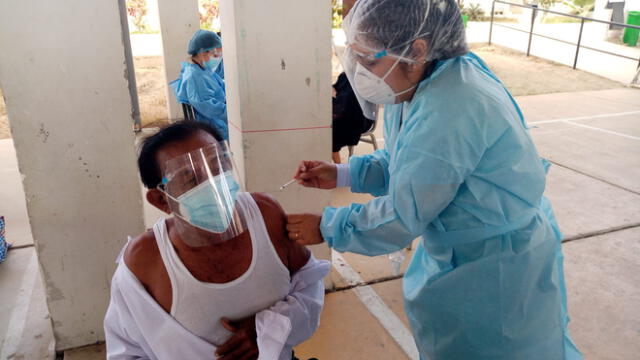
204,90
220,69
461,172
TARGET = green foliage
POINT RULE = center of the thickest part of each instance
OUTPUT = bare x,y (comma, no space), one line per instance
137,9
474,11
584,3
209,10
580,7
336,13
546,4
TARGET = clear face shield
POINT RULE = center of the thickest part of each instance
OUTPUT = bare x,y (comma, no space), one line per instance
202,188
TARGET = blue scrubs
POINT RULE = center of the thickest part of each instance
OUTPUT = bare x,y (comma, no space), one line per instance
205,91
461,172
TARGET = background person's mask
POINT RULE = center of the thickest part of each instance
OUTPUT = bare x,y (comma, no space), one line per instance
212,63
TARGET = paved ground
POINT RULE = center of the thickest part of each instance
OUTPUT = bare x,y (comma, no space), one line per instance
610,67
593,138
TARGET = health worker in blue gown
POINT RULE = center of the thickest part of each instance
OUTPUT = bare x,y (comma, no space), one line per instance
200,84
460,173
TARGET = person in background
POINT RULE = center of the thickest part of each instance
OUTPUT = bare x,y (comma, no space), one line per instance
348,123
199,84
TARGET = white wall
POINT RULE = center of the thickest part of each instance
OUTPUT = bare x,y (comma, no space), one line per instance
153,15
278,77
631,5
62,70
179,20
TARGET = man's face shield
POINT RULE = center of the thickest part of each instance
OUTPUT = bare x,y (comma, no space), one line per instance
202,189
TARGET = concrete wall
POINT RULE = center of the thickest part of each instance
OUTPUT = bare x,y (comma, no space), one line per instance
278,77
62,70
178,21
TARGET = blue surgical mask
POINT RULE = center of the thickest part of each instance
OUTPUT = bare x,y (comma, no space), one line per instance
212,63
210,205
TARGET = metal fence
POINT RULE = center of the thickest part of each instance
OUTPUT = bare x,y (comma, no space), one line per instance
534,11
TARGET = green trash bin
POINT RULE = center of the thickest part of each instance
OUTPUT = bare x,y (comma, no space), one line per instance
631,35
465,19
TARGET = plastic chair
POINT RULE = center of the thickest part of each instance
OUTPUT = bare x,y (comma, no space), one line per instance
188,111
369,137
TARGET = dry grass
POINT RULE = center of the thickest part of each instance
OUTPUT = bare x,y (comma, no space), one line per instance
150,82
522,75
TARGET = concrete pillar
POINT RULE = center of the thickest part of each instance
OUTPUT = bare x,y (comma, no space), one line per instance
278,80
64,79
178,21
600,12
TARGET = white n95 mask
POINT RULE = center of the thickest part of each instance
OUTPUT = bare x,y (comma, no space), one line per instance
373,88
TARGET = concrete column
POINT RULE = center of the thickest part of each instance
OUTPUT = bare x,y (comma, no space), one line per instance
278,78
178,21
600,12
64,79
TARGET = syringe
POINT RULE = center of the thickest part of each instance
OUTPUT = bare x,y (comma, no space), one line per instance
287,184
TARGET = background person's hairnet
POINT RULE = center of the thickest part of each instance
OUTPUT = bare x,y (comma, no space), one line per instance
392,25
203,40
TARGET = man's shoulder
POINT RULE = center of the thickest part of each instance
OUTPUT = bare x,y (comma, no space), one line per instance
141,252
293,255
268,204
273,215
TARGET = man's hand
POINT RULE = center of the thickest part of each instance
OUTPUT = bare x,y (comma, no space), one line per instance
243,344
317,174
304,228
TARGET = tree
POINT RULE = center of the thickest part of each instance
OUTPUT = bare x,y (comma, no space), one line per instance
580,7
546,4
336,13
208,12
137,9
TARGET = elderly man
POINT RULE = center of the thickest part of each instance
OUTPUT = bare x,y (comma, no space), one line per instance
217,279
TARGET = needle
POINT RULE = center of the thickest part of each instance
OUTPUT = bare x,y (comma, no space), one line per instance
287,184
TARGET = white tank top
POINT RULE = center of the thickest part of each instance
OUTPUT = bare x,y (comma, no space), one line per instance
198,306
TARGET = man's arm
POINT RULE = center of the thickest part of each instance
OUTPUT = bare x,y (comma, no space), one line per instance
295,318
301,308
293,255
119,328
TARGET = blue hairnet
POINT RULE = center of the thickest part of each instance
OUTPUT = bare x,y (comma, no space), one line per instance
203,40
392,25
